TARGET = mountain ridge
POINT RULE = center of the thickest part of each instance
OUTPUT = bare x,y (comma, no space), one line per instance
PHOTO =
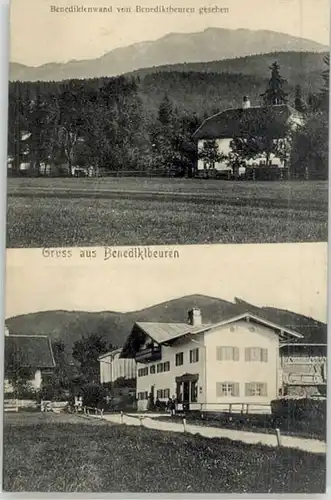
70,326
173,48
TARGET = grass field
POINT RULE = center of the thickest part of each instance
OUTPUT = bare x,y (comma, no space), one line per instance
47,452
139,211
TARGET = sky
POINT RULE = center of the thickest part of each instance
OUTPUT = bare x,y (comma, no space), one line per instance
288,276
39,34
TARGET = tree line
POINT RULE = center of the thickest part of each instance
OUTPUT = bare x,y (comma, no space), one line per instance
107,124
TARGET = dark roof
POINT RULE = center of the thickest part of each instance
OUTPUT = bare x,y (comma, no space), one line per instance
163,333
229,123
28,351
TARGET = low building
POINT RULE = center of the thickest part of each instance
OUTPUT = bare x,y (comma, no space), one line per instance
238,361
28,359
223,127
119,373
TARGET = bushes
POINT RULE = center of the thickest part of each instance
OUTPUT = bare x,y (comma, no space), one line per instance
93,395
303,413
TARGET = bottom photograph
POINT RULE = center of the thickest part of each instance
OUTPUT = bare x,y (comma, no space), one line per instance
194,370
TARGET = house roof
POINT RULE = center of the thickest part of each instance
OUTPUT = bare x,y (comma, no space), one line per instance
163,333
28,351
110,353
229,123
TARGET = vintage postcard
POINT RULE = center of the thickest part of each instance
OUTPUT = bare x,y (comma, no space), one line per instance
166,247
140,124
132,375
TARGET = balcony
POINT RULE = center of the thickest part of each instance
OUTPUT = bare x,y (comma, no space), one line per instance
303,379
148,355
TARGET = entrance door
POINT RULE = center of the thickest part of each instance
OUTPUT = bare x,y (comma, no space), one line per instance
186,392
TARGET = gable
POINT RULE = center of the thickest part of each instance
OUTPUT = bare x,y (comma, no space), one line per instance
28,351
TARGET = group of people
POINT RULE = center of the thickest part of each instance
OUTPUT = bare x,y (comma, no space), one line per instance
170,405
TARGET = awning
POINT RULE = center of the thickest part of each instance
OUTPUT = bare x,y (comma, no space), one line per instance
188,377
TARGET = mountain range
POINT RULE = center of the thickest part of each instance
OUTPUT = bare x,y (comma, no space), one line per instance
70,326
212,44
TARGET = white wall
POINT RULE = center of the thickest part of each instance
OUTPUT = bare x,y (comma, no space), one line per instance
223,147
167,380
37,380
112,369
242,335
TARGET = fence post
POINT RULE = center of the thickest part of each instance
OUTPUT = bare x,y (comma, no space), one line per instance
184,424
141,419
121,417
279,441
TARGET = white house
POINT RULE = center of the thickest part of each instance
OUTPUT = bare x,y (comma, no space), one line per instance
210,367
224,126
112,367
28,356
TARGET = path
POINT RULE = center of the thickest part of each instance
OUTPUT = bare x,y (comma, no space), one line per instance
310,445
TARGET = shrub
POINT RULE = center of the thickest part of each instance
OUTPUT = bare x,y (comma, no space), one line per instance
93,395
304,413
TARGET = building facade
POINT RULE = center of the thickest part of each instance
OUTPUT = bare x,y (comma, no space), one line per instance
223,127
28,360
113,369
236,364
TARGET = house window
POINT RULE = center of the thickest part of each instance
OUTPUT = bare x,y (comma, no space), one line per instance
142,372
224,389
194,355
179,358
256,354
256,389
152,369
163,367
142,396
224,353
163,393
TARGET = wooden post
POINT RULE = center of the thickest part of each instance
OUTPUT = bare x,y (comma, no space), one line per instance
184,424
141,419
279,441
121,417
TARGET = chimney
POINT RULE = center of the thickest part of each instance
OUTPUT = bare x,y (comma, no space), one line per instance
246,102
194,317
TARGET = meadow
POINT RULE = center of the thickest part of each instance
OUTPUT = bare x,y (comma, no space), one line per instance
66,453
155,211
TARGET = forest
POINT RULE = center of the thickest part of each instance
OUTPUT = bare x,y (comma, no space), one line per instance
144,123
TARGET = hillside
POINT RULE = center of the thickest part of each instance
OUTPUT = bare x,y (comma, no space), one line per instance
70,326
208,45
296,66
206,88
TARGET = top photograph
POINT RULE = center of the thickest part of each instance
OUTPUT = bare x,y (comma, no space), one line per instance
165,124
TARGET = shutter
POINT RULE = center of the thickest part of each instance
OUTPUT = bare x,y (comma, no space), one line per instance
219,354
247,389
247,354
218,389
264,390
236,389
264,355
235,354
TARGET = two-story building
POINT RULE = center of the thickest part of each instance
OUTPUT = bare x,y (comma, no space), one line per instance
234,362
224,126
